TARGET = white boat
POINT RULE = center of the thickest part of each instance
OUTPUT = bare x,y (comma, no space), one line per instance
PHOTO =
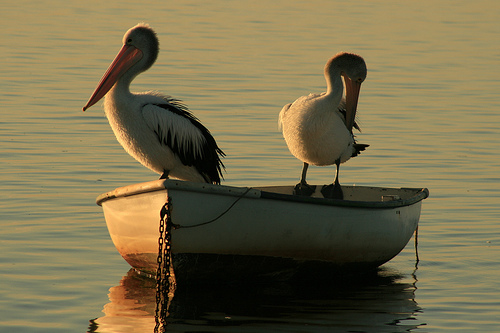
260,231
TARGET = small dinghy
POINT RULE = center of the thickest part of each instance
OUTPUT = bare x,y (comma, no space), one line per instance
222,231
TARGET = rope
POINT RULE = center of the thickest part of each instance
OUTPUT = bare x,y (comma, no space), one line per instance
177,226
417,259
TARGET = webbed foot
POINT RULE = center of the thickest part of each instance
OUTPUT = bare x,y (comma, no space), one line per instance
304,189
332,191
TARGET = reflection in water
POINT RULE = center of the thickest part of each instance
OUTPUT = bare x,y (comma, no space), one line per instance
131,307
378,302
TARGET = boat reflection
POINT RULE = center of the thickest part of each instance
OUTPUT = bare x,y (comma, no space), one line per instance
383,301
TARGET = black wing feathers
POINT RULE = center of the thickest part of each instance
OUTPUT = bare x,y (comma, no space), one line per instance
209,165
358,147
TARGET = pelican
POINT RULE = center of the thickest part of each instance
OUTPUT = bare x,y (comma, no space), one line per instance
318,128
157,130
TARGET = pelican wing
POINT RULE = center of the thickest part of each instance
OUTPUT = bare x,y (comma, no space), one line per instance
282,115
178,129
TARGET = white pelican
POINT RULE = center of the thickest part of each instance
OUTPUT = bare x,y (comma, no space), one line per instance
318,128
158,131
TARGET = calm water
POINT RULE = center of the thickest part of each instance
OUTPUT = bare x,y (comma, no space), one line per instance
429,109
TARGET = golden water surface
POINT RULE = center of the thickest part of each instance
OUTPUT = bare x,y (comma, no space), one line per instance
429,109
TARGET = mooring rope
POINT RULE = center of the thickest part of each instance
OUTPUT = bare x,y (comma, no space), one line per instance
417,259
177,226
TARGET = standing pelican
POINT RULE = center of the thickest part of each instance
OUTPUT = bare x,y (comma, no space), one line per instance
158,131
318,128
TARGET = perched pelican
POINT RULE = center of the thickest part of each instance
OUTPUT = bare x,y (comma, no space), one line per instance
158,131
318,128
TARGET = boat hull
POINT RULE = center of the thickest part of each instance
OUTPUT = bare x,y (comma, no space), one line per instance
222,227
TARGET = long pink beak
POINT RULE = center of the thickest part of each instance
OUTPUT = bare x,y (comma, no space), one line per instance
352,96
126,58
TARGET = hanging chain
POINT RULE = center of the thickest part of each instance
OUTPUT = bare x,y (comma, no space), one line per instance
165,278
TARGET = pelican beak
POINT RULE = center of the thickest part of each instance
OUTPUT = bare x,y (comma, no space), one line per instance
126,58
351,95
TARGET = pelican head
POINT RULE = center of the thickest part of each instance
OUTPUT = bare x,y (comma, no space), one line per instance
352,68
138,53
143,38
351,65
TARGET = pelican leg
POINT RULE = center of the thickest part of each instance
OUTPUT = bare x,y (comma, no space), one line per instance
165,174
334,191
303,188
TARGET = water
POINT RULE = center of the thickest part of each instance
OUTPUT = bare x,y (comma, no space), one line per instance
429,110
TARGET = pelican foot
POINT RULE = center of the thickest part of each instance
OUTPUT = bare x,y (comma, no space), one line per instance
304,189
332,192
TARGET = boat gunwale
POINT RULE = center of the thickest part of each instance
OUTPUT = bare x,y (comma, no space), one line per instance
419,196
249,192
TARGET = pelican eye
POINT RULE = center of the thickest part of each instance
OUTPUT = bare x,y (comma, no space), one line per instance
129,40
